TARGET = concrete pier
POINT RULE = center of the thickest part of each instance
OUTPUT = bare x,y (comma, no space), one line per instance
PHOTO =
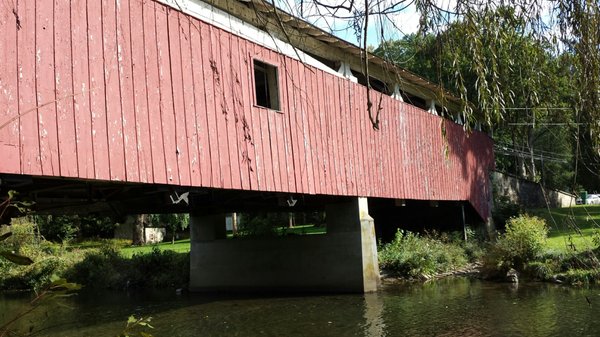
343,260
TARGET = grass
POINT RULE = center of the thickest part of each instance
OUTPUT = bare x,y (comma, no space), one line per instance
571,227
180,246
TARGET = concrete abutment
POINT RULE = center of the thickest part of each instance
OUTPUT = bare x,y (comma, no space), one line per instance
343,260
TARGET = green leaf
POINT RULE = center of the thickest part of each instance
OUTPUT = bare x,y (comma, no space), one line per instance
131,319
145,334
5,236
16,258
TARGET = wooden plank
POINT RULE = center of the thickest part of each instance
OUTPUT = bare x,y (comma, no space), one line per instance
67,144
331,88
264,132
114,117
228,113
347,135
9,94
239,100
210,67
359,135
29,139
140,95
291,131
307,166
45,88
288,159
97,91
275,131
81,90
299,150
323,141
166,96
159,169
201,92
129,122
318,159
185,39
312,103
219,145
250,137
182,155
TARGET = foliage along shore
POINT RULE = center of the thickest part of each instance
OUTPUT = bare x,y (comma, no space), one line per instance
521,251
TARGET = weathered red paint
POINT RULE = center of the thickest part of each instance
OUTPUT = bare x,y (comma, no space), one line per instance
9,109
144,93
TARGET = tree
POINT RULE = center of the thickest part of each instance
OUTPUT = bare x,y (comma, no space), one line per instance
533,136
569,25
172,222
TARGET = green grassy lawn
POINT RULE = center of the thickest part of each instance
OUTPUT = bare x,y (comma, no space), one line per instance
180,246
183,246
571,226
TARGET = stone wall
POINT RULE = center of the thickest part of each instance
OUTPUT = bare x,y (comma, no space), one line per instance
528,193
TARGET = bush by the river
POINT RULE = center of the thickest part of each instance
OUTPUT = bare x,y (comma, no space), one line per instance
107,268
419,256
102,266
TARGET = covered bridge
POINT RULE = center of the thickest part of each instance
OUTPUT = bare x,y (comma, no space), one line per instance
123,107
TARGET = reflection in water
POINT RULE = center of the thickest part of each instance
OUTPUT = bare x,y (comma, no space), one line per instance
453,307
374,315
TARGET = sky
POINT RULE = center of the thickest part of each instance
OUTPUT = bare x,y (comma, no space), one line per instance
394,26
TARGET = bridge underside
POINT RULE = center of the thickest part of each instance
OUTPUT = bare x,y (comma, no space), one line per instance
344,259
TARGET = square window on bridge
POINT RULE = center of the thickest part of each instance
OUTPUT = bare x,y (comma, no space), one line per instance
266,85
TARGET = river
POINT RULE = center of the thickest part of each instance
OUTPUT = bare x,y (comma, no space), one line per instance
449,307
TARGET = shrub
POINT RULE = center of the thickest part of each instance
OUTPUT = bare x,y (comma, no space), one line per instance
522,243
414,256
107,268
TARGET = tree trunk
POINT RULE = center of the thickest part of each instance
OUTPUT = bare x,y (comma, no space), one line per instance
138,230
234,226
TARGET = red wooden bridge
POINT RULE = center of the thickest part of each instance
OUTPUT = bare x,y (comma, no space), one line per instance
139,92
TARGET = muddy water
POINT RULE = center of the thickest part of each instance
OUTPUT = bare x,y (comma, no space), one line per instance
452,307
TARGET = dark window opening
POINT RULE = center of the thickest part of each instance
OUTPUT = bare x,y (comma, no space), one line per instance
376,84
266,85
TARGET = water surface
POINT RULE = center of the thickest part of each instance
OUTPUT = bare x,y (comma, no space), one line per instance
452,307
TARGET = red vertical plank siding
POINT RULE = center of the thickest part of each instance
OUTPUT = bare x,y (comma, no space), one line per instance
201,95
293,100
337,140
306,99
159,166
219,119
180,132
138,91
321,137
209,66
10,161
228,113
349,137
129,118
97,92
222,114
114,118
189,92
311,109
28,125
249,163
284,75
279,118
319,160
140,97
45,88
166,96
81,90
237,110
300,106
64,89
